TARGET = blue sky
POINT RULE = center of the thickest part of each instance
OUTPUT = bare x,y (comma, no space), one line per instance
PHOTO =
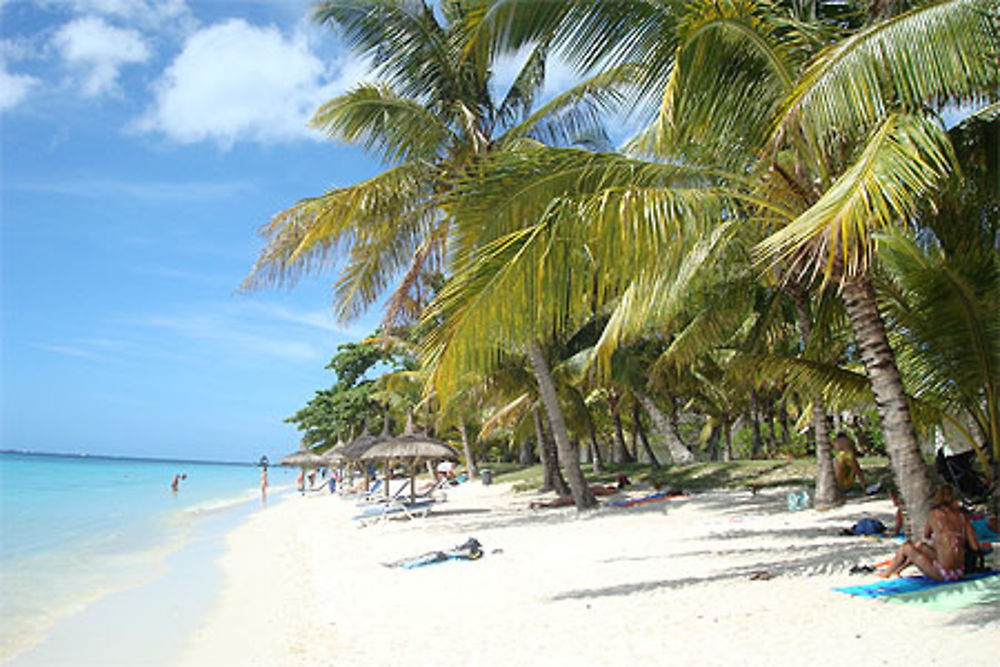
144,142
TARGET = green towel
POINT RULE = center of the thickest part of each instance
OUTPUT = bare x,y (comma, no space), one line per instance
960,595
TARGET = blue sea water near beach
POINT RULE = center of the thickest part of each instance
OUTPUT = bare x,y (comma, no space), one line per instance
77,532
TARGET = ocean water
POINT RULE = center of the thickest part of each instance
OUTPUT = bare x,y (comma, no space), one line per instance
75,530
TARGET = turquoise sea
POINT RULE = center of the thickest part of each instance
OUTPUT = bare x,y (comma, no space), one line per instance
76,531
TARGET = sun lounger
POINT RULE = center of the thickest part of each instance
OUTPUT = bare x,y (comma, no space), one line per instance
393,509
399,491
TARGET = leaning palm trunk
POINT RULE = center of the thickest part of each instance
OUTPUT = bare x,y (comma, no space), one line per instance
620,453
653,462
679,454
582,496
826,483
549,470
880,363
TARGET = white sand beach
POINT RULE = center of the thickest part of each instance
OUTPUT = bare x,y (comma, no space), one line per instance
675,582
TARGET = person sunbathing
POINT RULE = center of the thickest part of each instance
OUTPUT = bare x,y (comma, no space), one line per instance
596,489
947,535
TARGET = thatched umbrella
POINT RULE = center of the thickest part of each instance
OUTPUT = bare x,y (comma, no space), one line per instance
335,454
355,449
303,458
411,448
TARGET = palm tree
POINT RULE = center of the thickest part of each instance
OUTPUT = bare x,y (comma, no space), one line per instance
429,114
847,147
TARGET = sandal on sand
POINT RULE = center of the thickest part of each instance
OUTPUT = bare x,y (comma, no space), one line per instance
761,575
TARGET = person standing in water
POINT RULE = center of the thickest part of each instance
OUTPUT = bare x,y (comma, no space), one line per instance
176,483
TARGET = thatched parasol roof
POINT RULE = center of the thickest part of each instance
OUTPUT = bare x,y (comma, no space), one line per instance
335,454
303,458
410,446
353,450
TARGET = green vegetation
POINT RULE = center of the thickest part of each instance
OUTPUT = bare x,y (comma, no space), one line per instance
793,242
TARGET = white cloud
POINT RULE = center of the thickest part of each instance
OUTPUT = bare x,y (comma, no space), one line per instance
234,81
99,50
14,88
153,14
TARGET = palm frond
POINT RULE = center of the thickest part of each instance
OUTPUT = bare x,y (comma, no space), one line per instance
409,49
935,54
520,98
380,215
578,112
840,387
903,161
397,128
507,416
948,322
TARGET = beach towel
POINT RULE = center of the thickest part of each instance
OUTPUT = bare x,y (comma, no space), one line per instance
983,531
906,585
652,498
967,593
471,549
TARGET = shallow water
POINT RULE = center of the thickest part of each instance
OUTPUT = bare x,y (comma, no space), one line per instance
75,532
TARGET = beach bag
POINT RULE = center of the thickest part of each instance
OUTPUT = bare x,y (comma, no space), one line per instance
868,527
797,500
975,561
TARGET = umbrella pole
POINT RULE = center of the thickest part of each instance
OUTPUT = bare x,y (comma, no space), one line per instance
413,483
388,467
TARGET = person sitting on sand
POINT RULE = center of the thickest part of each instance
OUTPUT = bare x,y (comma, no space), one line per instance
845,463
948,533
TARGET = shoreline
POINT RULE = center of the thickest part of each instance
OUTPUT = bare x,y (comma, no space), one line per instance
702,578
161,611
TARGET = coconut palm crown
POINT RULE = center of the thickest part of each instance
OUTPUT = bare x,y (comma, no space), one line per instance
428,114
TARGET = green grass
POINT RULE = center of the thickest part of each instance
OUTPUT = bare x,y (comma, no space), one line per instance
697,476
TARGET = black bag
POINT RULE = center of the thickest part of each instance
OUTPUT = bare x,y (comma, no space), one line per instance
975,561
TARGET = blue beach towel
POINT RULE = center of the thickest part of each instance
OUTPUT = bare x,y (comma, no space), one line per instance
905,585
983,532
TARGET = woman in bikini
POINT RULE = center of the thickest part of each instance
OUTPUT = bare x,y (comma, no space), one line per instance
941,556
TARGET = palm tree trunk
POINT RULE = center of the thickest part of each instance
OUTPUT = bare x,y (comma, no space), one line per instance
727,431
637,418
880,363
470,462
582,496
550,469
526,457
620,453
826,481
595,449
757,442
679,453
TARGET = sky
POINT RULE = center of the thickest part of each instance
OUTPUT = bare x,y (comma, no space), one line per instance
143,144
